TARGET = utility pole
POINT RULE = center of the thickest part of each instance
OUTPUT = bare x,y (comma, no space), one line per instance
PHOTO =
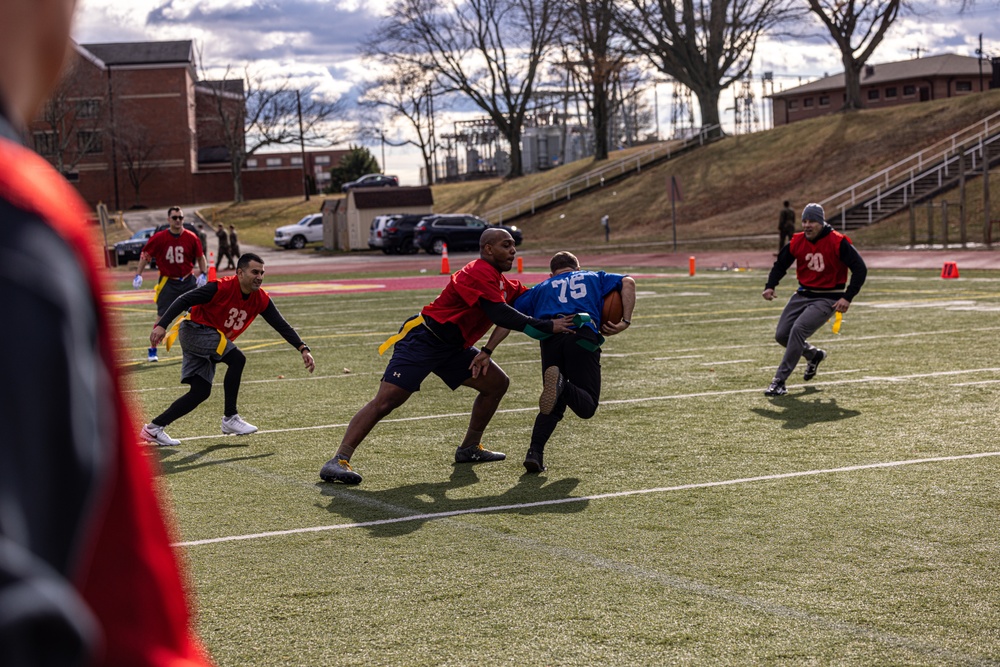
302,145
979,52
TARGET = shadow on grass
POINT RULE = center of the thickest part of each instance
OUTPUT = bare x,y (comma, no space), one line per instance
798,410
410,507
193,460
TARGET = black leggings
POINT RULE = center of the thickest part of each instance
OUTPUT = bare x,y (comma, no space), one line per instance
200,389
581,371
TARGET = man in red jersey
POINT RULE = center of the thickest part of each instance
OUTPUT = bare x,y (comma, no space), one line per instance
220,312
441,340
822,259
175,250
87,574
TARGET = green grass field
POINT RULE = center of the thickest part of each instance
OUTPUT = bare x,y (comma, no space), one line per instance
691,521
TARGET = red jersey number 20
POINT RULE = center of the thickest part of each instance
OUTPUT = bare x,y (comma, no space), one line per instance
814,261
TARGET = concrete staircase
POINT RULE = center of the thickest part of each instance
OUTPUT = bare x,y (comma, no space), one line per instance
934,170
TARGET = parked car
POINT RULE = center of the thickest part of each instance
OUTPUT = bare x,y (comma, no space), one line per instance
393,234
307,230
129,249
459,231
372,181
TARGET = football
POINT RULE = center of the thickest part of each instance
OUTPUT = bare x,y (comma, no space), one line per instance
612,309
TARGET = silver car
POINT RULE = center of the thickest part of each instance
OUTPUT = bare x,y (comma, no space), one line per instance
307,230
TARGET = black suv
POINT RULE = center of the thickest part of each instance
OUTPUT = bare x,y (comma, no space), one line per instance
459,231
397,234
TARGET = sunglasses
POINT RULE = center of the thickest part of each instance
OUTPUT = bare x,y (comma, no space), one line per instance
177,217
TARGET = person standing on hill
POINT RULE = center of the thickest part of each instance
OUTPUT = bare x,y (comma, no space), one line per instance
175,250
822,258
224,250
234,243
786,225
88,576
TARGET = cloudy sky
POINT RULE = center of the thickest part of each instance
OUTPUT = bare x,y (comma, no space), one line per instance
316,41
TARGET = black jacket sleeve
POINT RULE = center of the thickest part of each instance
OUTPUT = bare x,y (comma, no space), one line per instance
279,324
859,270
195,297
57,413
780,268
505,316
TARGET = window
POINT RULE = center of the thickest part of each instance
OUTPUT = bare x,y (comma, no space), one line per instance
252,162
873,94
45,143
824,100
793,104
963,86
89,141
322,159
890,93
88,108
274,162
807,103
296,161
909,90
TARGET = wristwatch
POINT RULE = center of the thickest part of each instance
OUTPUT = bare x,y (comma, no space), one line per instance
304,348
629,322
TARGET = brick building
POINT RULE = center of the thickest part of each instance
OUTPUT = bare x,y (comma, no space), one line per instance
140,106
886,85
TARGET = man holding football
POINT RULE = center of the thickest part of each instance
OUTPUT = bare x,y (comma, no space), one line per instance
822,259
571,365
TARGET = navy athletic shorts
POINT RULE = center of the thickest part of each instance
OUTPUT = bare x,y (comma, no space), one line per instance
421,353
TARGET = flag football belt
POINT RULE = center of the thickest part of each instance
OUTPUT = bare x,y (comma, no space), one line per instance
175,331
405,329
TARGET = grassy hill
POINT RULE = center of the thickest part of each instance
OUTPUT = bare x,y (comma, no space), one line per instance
733,188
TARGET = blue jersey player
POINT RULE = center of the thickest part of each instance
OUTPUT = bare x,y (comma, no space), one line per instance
571,364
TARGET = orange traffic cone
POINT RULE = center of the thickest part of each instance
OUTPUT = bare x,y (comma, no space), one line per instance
949,270
211,266
445,267
520,265
691,265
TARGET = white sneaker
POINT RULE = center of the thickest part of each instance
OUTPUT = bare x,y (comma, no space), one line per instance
235,424
154,434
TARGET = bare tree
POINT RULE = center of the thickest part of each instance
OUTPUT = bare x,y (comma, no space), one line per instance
705,45
249,113
405,92
857,27
597,60
75,120
487,50
136,146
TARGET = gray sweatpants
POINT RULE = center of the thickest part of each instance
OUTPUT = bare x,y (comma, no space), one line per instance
801,318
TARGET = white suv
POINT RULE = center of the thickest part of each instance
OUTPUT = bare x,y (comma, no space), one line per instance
307,230
377,230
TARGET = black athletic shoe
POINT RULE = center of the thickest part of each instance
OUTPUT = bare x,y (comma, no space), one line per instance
776,388
339,470
552,388
477,454
813,365
533,461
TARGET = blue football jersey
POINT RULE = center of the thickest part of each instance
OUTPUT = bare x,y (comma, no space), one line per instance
570,293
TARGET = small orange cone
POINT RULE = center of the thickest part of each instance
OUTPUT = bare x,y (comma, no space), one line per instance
211,266
949,270
445,267
691,265
520,265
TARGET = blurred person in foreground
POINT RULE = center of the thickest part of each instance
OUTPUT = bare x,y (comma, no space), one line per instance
87,573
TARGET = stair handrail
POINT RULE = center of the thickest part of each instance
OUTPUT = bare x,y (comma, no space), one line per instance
927,156
568,188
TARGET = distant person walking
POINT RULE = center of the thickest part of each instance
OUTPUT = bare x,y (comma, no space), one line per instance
606,223
234,243
224,250
203,237
220,311
822,258
786,225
